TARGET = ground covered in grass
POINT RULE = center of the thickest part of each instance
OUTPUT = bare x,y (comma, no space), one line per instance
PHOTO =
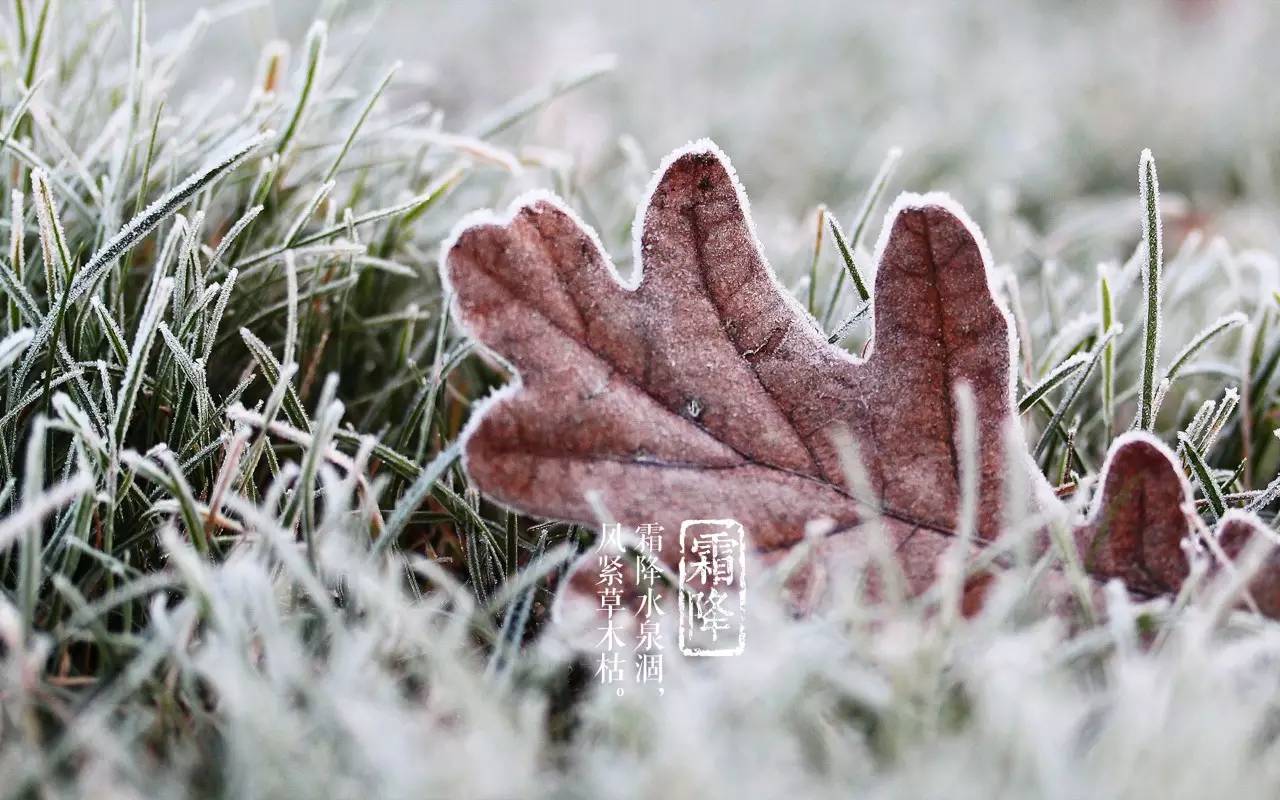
239,556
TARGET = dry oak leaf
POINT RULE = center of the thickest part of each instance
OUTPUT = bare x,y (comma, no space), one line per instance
701,389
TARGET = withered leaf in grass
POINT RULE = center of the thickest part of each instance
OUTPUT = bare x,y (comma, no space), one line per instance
701,389
1138,521
1138,530
1237,531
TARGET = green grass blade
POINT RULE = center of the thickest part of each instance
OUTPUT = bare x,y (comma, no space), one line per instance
1073,393
1152,237
135,367
1203,476
1048,383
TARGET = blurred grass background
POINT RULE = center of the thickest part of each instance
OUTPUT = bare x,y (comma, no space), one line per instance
1048,100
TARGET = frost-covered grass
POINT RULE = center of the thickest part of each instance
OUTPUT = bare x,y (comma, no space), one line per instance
238,556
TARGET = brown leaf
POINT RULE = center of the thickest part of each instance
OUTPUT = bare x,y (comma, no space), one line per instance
703,390
1136,527
1235,533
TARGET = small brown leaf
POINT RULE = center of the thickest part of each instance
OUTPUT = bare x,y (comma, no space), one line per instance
703,390
1136,527
1235,533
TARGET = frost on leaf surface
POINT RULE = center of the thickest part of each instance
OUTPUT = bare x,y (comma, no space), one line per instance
705,391
702,390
